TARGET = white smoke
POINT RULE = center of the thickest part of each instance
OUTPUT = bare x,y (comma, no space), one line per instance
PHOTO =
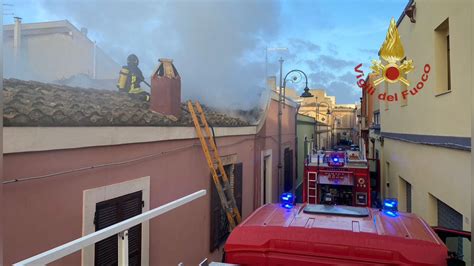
208,41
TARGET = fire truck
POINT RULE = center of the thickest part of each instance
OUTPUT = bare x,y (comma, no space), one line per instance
317,234
337,177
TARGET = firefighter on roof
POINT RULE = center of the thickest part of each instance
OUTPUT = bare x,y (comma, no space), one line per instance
130,78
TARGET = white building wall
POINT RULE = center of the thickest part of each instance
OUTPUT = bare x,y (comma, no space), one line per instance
54,56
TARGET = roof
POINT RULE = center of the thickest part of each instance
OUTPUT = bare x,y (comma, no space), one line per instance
40,28
376,237
306,118
31,103
410,2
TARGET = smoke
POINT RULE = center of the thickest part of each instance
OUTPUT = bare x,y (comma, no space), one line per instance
210,41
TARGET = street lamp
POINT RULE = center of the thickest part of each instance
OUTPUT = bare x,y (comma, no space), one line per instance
281,100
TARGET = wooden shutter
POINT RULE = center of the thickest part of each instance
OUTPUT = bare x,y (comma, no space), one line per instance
110,212
238,171
288,171
219,222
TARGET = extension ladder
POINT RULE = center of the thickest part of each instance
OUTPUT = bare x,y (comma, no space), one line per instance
226,195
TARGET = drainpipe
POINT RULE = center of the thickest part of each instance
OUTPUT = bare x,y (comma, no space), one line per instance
17,40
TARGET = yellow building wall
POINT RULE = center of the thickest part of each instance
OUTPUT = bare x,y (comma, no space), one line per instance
434,172
426,113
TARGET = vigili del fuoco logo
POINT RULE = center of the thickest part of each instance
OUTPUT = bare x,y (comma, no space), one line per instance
397,65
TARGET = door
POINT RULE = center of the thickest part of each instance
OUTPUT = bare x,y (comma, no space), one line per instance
113,211
266,180
375,185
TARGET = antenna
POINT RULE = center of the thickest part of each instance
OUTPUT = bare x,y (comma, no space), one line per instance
9,12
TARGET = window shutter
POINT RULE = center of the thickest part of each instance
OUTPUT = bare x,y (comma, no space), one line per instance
132,207
110,212
238,172
219,222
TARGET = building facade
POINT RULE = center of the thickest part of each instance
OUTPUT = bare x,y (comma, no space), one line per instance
53,51
305,128
344,124
423,140
70,153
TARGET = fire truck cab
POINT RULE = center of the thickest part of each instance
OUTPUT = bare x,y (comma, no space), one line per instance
337,177
314,234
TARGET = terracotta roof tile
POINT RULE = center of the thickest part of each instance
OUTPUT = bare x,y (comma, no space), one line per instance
31,103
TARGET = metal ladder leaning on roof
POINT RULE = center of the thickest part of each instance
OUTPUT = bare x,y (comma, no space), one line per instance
226,196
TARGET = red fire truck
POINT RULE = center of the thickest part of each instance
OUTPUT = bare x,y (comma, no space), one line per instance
337,177
315,234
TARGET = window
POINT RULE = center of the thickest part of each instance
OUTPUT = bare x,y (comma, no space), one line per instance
443,58
451,219
219,222
376,118
110,212
404,192
408,196
449,61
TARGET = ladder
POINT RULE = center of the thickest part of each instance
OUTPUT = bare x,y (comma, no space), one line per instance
225,192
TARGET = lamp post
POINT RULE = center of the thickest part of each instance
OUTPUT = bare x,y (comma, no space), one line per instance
280,113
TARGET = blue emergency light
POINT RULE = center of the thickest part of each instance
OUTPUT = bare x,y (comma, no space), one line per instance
391,214
390,207
287,200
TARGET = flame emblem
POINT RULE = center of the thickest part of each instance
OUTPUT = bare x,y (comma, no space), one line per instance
392,51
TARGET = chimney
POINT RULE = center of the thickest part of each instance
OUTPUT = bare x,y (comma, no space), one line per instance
166,89
271,83
17,39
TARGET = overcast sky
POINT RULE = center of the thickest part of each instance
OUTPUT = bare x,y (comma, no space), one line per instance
218,46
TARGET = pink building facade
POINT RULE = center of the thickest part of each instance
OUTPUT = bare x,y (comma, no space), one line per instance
55,178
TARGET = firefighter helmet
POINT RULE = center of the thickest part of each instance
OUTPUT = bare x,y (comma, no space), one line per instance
132,60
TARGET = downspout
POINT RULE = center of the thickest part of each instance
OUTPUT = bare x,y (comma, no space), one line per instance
280,113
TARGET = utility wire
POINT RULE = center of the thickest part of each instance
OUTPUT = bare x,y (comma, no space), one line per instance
16,180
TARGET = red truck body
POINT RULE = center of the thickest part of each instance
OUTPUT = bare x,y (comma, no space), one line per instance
333,235
346,181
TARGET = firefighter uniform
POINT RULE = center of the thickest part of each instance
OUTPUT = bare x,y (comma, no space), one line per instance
130,78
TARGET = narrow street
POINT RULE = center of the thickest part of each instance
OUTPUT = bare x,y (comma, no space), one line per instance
303,132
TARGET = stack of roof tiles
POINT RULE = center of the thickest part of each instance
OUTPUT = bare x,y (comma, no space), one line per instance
31,103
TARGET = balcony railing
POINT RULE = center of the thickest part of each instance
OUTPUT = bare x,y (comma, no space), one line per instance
119,229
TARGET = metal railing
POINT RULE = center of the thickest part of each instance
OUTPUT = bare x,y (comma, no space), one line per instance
119,229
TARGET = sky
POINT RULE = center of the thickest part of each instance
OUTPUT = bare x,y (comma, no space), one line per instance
218,46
